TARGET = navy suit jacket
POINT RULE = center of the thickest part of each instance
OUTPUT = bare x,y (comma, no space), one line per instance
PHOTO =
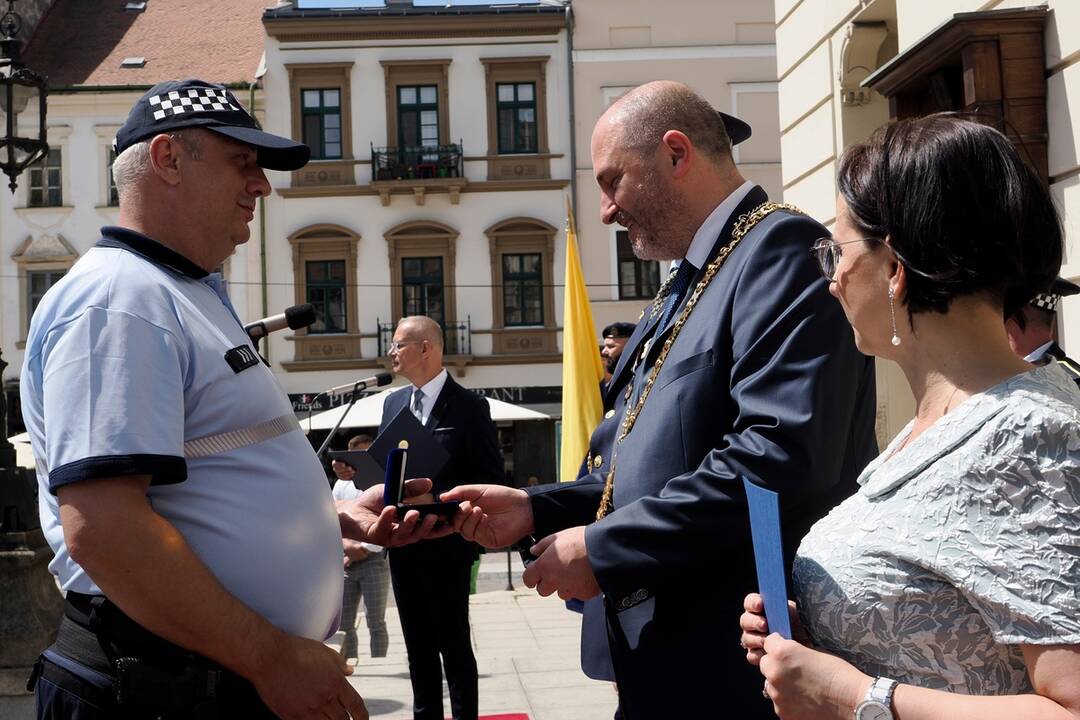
461,422
763,381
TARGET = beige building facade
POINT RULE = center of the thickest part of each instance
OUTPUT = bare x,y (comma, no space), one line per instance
845,67
725,50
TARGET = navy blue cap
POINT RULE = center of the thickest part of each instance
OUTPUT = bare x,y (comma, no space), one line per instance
738,130
180,104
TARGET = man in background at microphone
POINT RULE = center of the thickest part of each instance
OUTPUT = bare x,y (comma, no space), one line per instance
193,534
431,579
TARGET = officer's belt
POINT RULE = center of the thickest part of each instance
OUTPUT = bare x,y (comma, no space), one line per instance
96,633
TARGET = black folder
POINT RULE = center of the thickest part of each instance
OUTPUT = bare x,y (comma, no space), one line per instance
427,457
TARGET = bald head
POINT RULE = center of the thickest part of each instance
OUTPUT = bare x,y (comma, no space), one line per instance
417,352
640,118
421,327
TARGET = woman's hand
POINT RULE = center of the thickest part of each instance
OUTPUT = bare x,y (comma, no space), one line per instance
755,628
806,684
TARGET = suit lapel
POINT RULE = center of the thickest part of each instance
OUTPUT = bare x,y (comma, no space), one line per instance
448,390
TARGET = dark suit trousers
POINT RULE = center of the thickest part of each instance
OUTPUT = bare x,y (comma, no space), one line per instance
432,596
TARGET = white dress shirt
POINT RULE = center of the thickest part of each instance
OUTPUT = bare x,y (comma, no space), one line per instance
431,390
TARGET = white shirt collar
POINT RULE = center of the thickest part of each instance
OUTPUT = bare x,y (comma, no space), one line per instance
705,237
431,390
1037,353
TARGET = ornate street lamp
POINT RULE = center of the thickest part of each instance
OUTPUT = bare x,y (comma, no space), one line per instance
20,88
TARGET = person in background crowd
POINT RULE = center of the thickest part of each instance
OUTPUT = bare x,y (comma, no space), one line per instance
615,336
1032,329
431,579
367,575
198,549
742,366
946,588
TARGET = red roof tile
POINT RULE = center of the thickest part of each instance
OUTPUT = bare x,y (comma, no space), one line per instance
82,42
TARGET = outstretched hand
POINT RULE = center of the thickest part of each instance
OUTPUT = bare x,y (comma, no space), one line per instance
491,515
367,519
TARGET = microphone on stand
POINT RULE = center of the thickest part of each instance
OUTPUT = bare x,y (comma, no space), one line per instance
294,318
379,380
352,388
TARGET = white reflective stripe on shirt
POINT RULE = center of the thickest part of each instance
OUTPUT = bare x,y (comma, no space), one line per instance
226,441
234,439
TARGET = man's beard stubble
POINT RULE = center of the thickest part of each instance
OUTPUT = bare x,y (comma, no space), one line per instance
664,212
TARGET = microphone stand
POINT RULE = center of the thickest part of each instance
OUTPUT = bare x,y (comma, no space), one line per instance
321,454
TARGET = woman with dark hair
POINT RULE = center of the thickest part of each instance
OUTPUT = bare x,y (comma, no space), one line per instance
953,573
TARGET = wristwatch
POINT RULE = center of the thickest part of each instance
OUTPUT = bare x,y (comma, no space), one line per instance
877,705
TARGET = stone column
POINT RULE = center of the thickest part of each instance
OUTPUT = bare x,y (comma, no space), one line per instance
30,602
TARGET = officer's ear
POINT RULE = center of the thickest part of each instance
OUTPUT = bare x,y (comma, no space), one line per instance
165,157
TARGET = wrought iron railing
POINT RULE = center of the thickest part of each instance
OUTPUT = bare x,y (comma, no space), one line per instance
410,163
457,337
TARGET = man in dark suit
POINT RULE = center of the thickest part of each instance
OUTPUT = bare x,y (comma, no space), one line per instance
431,579
743,366
1032,329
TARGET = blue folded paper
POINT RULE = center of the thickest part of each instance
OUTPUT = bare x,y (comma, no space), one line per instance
769,555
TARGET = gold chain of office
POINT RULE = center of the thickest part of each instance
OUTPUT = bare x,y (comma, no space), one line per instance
743,225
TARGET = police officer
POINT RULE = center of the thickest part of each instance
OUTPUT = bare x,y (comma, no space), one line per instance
615,336
1032,329
193,534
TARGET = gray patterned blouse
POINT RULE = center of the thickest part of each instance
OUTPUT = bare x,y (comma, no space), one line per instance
958,548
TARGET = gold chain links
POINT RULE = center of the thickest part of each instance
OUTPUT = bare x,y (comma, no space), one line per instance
743,225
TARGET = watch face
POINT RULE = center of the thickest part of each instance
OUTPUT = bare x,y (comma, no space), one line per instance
873,710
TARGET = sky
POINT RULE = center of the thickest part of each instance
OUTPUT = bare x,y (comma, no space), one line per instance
307,4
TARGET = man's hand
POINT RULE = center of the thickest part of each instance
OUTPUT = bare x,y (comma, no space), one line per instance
492,515
562,566
354,551
367,519
305,679
343,471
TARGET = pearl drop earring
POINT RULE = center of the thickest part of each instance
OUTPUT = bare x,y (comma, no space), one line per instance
892,314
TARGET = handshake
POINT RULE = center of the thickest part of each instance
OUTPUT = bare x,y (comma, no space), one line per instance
490,515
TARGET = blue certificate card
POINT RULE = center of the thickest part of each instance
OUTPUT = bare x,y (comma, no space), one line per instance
769,555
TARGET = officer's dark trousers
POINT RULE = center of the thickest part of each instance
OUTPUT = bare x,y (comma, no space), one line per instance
432,597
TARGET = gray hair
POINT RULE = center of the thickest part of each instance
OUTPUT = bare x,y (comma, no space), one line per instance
130,166
648,111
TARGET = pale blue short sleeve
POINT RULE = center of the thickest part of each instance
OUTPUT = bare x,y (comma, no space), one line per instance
107,415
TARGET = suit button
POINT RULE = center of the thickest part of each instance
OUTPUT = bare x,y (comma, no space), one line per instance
597,461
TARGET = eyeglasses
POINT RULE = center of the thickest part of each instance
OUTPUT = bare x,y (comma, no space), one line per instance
827,252
396,345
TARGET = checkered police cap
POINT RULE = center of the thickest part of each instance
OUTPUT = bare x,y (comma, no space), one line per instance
180,104
1048,300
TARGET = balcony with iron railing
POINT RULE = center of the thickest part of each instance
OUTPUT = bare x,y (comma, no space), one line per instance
457,337
417,171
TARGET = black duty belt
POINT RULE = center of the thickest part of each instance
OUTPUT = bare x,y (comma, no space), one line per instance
146,670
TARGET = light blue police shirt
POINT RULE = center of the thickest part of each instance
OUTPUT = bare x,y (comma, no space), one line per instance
126,361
